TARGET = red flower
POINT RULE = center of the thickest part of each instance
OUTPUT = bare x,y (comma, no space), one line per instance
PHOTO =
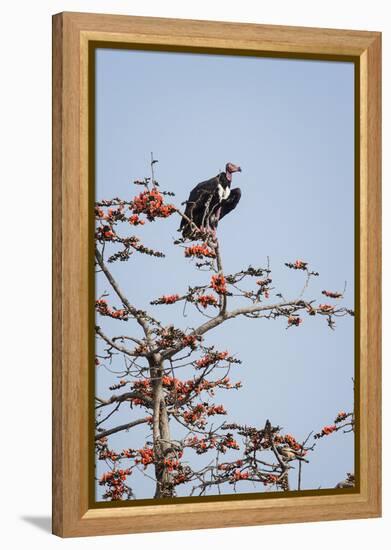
240,475
99,212
218,283
169,299
207,300
294,321
299,264
327,430
199,251
327,308
270,478
103,308
146,456
342,415
105,233
151,203
211,358
135,220
190,341
171,464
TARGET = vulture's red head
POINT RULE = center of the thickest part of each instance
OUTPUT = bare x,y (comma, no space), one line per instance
230,168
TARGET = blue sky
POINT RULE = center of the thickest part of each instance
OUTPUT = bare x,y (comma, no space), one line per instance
290,126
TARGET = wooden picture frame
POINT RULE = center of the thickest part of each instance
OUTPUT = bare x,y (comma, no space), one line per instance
73,33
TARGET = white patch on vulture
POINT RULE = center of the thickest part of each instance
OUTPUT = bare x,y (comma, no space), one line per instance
223,193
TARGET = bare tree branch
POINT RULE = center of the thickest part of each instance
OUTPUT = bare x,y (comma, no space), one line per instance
117,429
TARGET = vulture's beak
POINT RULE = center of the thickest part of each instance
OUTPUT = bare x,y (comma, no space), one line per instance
239,169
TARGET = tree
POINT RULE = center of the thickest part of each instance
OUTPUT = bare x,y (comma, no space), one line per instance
151,384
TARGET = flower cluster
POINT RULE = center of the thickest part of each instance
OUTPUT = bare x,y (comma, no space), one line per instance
108,454
227,442
326,308
147,457
190,341
113,214
327,430
224,466
199,251
128,453
179,392
218,283
341,416
298,264
170,336
135,220
211,358
114,481
289,440
104,233
151,203
201,445
264,286
182,475
99,213
197,415
171,464
270,479
207,300
166,299
238,475
294,321
103,308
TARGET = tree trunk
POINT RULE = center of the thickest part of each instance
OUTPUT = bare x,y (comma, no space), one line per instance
161,433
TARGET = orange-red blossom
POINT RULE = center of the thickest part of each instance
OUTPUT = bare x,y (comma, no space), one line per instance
104,309
294,321
327,430
135,220
169,299
147,456
199,251
240,475
219,284
207,300
115,477
326,308
151,203
342,415
212,358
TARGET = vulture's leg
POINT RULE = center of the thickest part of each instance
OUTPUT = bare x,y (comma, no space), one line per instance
230,203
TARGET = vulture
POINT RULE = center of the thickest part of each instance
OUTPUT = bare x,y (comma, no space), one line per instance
210,201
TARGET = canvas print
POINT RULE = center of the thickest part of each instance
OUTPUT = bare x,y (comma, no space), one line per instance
224,264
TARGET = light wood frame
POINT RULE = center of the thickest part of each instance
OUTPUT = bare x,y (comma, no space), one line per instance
72,33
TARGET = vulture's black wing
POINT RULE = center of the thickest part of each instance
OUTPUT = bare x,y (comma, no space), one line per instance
197,201
229,204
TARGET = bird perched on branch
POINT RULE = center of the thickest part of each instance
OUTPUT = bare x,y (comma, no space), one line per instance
290,454
210,201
